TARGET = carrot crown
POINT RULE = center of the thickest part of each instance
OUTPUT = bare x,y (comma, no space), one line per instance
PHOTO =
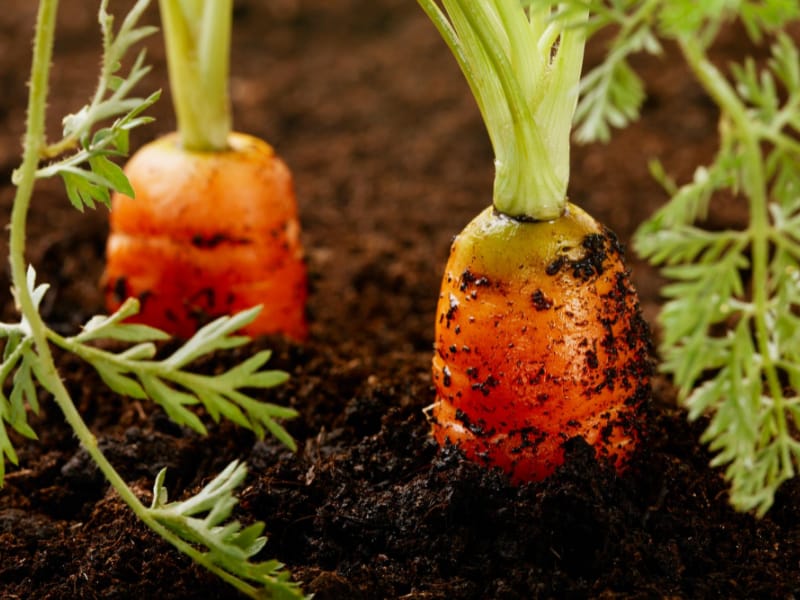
524,69
197,34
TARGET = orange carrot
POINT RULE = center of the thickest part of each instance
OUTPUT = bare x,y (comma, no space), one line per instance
539,336
213,228
538,339
209,233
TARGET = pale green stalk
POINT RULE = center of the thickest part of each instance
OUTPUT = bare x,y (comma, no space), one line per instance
524,72
197,35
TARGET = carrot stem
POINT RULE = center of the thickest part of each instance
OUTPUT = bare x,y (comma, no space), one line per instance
197,34
26,175
524,71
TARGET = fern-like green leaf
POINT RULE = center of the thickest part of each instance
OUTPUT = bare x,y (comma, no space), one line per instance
204,520
135,371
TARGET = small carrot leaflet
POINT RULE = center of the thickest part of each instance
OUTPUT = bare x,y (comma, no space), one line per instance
539,336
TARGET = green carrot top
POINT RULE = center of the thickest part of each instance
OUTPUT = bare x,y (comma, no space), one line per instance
524,69
197,34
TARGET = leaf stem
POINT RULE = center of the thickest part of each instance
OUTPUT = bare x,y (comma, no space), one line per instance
755,187
89,442
34,141
197,36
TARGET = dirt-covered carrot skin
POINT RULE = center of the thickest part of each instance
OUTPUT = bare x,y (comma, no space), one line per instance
209,234
539,338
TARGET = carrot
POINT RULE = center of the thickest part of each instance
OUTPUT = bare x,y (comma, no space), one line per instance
538,339
539,336
213,228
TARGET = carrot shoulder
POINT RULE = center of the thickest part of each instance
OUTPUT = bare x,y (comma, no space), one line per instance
538,339
209,233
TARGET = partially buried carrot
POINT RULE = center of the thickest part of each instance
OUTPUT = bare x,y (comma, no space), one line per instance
539,336
213,228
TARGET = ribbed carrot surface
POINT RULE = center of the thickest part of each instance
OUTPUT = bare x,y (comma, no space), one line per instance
539,338
208,234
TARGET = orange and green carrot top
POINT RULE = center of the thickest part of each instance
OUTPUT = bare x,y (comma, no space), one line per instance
125,354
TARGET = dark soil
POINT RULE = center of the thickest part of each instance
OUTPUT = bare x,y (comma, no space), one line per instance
368,108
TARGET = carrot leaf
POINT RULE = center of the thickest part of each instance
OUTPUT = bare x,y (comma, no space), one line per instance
739,385
23,366
82,154
13,409
136,372
204,520
113,327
